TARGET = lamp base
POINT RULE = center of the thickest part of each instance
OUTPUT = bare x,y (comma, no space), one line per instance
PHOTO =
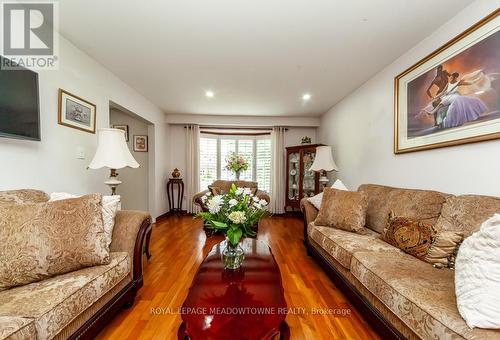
113,182
323,180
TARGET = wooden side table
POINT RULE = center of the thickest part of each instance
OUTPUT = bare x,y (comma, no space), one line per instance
175,206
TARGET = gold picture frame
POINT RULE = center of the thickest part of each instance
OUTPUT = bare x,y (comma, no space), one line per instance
140,143
441,134
75,112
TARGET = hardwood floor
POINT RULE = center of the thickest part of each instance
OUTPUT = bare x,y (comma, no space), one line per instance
179,245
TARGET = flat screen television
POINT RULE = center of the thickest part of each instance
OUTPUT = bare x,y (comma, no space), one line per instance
19,105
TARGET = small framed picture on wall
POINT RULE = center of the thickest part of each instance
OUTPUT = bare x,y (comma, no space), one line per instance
124,128
140,143
76,112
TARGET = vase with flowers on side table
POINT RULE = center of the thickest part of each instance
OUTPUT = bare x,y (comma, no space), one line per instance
236,164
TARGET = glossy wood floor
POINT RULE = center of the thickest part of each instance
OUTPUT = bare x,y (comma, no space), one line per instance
179,245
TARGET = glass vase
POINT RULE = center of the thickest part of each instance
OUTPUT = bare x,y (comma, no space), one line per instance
232,256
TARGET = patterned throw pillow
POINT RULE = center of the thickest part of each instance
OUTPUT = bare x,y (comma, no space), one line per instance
46,239
23,196
110,205
411,236
344,210
421,240
316,200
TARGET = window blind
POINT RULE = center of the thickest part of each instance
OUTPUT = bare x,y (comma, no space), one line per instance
208,161
215,149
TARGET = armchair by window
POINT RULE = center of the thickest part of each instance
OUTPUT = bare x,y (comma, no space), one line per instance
225,186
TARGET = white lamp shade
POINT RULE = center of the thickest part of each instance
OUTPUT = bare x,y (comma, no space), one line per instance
324,160
112,151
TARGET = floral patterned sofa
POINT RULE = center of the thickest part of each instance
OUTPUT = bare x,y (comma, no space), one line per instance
400,295
80,303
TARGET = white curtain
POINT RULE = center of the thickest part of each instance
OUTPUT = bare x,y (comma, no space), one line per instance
278,170
192,165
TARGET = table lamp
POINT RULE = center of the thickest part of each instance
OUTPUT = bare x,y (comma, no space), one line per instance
324,162
112,152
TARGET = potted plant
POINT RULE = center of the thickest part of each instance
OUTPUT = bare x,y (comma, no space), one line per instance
306,140
236,163
235,214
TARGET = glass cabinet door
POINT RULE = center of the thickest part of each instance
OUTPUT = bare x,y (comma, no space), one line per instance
293,176
308,182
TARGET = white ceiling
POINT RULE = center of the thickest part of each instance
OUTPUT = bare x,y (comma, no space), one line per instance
258,56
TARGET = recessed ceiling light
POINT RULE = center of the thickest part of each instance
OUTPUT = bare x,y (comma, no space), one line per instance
306,96
209,94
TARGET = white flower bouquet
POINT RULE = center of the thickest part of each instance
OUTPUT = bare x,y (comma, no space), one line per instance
234,213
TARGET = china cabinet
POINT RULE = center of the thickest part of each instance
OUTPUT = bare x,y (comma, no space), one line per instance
300,181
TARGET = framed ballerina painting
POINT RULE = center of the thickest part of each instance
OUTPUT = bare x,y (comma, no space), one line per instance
453,95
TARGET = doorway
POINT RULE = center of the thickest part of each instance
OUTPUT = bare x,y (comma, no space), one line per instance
134,190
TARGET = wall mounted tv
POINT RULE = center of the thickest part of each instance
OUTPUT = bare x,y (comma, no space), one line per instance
19,105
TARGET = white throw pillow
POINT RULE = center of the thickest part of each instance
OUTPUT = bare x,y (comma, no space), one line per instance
477,276
316,200
110,205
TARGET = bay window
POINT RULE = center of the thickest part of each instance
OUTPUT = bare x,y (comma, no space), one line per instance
214,149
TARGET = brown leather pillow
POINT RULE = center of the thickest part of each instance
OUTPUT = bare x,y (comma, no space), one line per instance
344,210
45,239
444,249
215,190
421,240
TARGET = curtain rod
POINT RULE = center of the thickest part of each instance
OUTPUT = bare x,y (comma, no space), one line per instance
234,128
235,133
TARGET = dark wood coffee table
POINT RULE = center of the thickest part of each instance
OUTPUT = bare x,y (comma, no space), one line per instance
247,303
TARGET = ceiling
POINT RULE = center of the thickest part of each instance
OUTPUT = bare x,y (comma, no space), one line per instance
258,56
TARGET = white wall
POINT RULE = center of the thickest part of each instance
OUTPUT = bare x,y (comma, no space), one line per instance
51,164
360,129
134,190
177,146
294,135
223,120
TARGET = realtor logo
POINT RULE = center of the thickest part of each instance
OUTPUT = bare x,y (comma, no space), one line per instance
29,35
